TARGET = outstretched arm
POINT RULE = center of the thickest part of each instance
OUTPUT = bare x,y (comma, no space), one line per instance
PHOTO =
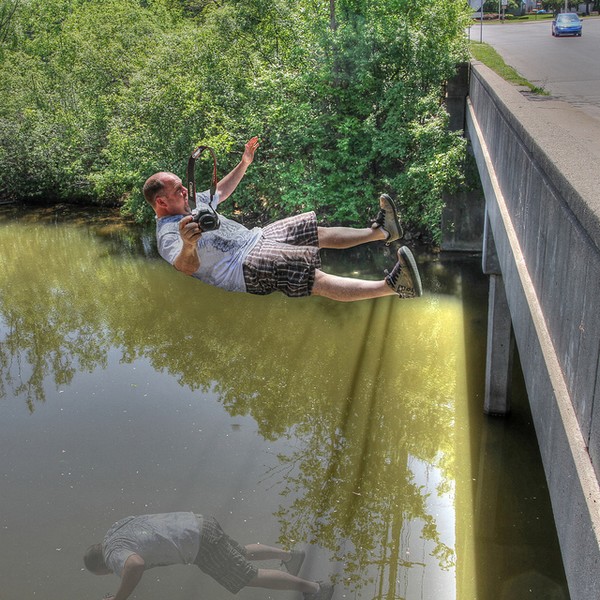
132,573
227,185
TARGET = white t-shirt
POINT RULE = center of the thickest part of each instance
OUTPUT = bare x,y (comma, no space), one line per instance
222,252
161,539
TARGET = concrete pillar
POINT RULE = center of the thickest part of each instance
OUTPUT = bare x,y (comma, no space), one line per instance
462,221
500,350
457,90
462,216
500,337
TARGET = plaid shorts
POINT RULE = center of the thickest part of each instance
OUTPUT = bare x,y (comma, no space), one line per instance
284,258
223,558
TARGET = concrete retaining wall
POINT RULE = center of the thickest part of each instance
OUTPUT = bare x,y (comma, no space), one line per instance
539,161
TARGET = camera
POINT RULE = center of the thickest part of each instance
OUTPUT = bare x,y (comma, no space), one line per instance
208,220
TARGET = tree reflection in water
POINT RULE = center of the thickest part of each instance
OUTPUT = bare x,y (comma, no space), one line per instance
360,390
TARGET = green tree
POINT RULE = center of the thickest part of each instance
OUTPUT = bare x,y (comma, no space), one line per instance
495,6
554,6
347,97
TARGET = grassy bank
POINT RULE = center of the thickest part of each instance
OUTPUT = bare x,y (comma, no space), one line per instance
489,57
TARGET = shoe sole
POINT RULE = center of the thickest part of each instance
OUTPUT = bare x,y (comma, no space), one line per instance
411,264
322,594
396,220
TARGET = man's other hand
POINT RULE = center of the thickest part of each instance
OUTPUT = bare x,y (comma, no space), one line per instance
251,147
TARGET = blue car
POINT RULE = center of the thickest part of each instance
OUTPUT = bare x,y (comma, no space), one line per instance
566,24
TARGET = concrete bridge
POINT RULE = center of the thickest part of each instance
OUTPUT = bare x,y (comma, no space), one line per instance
539,163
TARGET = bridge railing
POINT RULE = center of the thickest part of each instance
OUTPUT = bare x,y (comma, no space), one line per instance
539,162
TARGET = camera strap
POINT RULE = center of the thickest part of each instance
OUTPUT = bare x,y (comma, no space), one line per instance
191,177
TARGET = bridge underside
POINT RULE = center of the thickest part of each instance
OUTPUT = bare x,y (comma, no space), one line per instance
541,250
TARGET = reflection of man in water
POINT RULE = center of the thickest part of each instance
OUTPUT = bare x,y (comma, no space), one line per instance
283,256
135,544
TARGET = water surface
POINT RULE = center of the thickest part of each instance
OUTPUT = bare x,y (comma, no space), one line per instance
353,431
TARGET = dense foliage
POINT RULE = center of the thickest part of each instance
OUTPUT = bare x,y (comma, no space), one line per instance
346,96
492,6
582,8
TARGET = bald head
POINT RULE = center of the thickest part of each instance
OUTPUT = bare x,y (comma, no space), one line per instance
154,185
166,194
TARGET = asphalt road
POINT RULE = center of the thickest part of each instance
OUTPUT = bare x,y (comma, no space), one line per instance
567,67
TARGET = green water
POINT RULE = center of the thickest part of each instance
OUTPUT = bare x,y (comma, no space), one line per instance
353,431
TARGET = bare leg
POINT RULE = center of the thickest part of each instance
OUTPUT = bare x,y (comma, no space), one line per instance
273,579
348,289
262,552
348,237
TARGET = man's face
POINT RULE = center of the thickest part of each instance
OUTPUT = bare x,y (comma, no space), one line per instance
173,197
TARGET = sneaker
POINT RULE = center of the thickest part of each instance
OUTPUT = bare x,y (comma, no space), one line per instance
388,219
404,278
325,592
294,565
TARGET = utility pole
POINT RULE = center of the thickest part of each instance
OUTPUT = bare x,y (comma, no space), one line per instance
481,24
